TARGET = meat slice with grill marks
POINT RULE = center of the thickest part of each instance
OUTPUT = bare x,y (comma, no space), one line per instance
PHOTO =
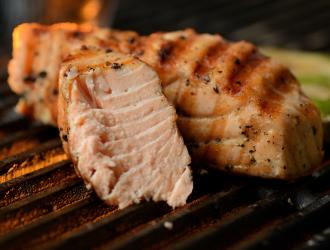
120,130
238,110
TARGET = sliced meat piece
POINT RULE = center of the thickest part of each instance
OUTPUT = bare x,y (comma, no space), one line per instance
120,130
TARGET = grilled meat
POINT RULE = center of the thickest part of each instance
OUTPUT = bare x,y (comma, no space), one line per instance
120,130
37,54
239,111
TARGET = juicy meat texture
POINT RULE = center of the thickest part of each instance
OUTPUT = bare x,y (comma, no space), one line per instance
120,130
239,111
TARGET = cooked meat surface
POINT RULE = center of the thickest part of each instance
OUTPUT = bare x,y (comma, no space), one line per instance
120,130
239,111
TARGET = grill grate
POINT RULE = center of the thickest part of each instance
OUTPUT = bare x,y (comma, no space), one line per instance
43,204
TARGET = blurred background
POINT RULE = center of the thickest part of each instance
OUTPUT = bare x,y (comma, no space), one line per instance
298,24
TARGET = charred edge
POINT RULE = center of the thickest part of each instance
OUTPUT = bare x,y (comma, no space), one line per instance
165,52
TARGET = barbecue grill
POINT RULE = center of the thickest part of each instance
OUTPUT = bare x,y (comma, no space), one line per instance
44,205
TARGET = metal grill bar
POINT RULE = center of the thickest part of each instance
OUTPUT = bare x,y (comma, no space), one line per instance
40,186
32,233
7,163
17,217
19,180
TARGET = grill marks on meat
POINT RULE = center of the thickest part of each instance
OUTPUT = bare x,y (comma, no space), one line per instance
209,60
123,137
240,111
